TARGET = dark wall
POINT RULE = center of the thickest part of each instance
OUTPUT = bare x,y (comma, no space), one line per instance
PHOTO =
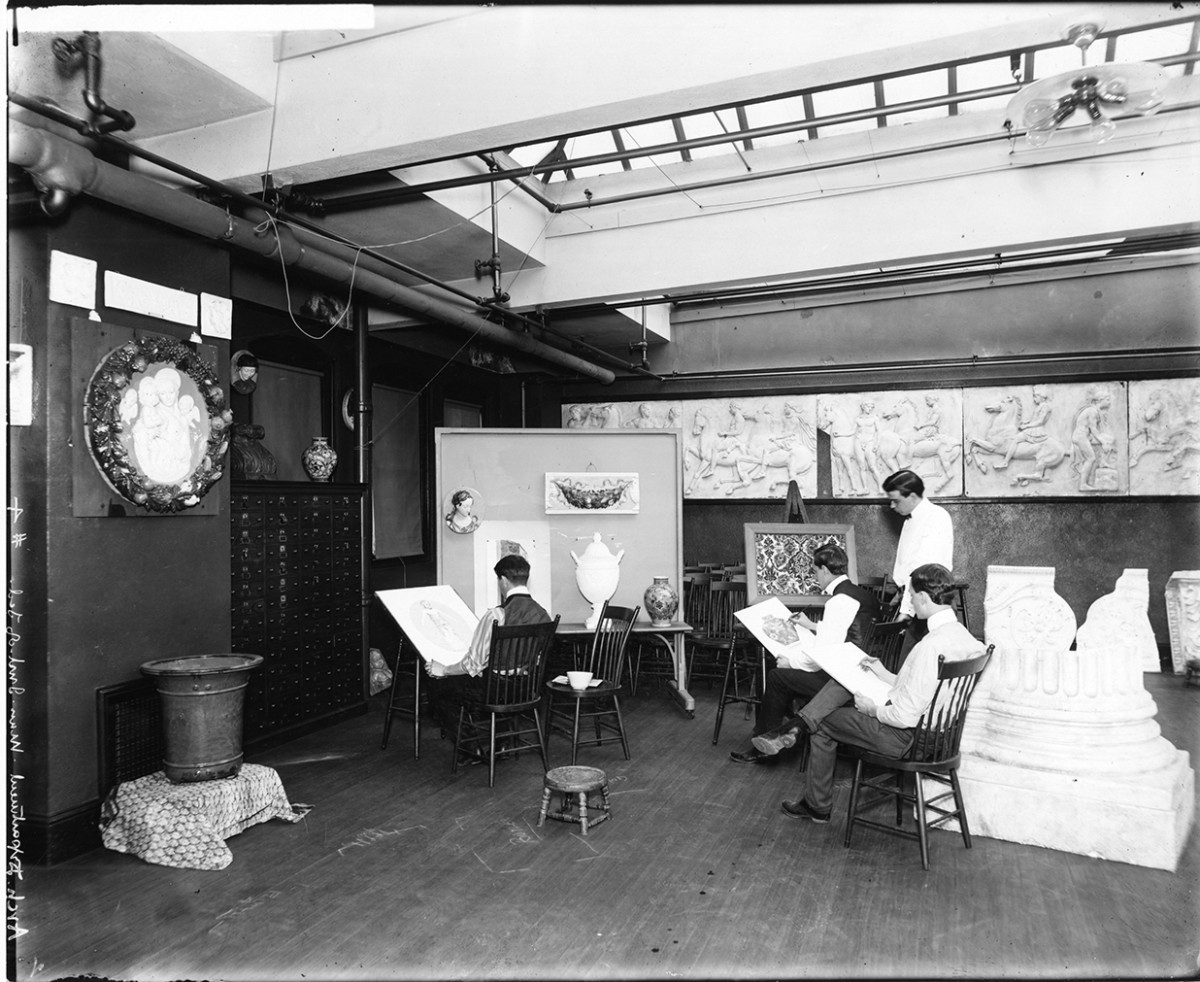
1140,324
106,594
1089,544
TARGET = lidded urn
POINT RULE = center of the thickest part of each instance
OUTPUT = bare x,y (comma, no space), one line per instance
597,573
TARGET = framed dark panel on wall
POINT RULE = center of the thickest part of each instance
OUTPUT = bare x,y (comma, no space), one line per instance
779,561
396,493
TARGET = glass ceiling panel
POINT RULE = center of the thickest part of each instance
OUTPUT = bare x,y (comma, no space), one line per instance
1158,43
983,75
933,83
923,85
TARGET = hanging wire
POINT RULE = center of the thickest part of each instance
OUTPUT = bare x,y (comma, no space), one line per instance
269,222
633,140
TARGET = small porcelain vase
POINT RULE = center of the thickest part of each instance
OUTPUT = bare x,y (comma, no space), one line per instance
319,459
597,573
661,601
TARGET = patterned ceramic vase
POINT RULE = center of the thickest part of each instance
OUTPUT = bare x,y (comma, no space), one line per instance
319,459
661,601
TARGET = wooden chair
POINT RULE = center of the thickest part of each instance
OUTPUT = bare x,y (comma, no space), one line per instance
934,754
599,703
732,649
513,681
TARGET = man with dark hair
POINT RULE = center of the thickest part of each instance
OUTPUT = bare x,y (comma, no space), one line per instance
848,614
887,728
927,536
464,680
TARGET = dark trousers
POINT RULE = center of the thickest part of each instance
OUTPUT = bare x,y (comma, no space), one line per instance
784,685
449,693
849,726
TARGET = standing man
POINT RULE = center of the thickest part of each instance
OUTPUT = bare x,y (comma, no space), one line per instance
926,537
887,728
847,617
463,681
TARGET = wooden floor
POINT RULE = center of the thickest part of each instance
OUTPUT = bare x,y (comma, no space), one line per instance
403,871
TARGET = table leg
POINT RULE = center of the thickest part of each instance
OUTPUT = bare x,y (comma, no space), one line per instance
678,686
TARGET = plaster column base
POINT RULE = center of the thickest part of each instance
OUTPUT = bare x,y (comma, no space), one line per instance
1143,819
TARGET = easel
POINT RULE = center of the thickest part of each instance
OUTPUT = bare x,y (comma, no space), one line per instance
794,511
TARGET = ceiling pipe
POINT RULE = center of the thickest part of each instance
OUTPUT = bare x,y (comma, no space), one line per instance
59,163
313,235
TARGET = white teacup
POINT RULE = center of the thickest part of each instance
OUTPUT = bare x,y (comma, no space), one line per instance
579,680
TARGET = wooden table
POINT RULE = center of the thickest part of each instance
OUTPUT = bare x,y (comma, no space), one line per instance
673,636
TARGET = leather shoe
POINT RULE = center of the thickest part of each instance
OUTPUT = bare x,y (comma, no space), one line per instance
769,744
748,756
801,809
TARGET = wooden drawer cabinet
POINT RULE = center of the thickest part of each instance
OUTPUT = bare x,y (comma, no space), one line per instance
296,594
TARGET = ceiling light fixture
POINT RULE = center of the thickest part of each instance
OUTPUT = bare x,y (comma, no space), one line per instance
1101,93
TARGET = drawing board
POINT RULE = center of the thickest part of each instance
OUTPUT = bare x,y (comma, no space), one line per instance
436,621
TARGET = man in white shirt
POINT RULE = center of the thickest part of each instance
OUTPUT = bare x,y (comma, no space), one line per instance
927,536
887,728
847,616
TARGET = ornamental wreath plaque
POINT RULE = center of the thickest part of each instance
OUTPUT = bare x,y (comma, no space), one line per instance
157,424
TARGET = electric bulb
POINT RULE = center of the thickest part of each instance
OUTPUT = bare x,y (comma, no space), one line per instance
1039,137
1039,113
1101,131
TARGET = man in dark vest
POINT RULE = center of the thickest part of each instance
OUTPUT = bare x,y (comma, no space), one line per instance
848,614
463,681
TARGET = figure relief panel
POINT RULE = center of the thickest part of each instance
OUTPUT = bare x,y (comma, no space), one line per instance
1164,436
874,434
748,447
1068,439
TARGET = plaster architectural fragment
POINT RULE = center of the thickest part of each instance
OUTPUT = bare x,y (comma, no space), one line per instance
1061,748
1183,620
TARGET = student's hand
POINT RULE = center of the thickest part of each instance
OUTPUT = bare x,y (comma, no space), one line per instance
866,705
803,620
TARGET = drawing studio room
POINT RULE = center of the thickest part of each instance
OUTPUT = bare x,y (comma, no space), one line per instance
603,491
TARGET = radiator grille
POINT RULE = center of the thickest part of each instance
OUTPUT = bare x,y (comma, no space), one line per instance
130,738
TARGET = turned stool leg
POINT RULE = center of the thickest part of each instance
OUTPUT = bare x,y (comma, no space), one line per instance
583,811
604,795
545,807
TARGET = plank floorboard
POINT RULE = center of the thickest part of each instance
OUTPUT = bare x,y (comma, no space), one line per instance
405,871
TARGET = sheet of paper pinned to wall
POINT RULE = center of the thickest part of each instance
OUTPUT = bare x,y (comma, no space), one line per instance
216,316
436,621
152,299
72,279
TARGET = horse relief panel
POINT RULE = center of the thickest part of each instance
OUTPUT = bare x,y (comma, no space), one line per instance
1164,436
732,448
1068,439
874,434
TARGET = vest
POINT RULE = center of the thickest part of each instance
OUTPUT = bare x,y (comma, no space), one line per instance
521,608
868,609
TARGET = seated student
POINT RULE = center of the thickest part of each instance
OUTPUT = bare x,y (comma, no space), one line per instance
464,681
886,729
847,617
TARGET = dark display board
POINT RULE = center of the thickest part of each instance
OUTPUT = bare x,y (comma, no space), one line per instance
506,469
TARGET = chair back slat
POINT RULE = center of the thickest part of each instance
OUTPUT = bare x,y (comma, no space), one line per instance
607,659
725,597
696,598
517,662
939,732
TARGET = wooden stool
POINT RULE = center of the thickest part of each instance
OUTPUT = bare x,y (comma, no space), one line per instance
579,782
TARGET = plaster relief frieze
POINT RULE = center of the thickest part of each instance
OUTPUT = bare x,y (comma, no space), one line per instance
1164,436
874,434
1068,439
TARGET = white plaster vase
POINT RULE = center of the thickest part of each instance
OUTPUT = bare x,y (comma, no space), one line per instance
597,573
